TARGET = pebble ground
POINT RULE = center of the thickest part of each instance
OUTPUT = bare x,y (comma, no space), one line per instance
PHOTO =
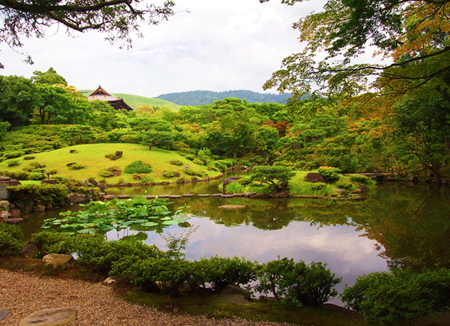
22,294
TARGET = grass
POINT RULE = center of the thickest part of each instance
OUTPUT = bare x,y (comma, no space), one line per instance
93,156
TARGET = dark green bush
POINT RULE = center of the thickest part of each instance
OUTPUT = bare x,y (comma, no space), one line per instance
47,195
297,282
14,154
13,163
190,157
77,167
12,148
106,174
344,185
18,175
168,174
176,162
112,157
193,172
365,180
138,167
36,176
399,296
11,240
330,174
29,157
199,162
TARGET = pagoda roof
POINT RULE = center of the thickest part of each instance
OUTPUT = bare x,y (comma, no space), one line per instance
103,95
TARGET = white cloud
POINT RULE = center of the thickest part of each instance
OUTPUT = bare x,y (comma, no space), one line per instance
221,46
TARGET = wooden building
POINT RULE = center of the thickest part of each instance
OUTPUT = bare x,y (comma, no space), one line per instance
116,102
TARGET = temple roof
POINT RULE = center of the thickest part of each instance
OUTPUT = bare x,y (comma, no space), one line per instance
102,95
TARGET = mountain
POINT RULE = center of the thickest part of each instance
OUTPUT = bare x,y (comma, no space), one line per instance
195,98
136,101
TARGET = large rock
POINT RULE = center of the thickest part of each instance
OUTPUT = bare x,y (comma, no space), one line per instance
40,208
4,314
14,212
4,204
4,193
29,250
4,216
57,260
77,198
235,295
228,181
232,206
85,183
50,317
314,177
234,289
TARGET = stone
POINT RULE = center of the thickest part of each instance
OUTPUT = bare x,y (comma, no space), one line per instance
234,289
236,299
112,280
216,195
341,192
50,317
249,194
57,260
85,183
136,177
29,250
176,175
150,196
4,216
194,179
119,153
165,183
163,196
136,184
14,182
4,193
181,180
280,194
174,196
5,205
228,181
4,179
15,220
123,196
227,196
188,195
109,197
314,177
232,206
203,195
4,314
70,164
239,195
93,182
72,151
40,208
28,207
77,198
14,212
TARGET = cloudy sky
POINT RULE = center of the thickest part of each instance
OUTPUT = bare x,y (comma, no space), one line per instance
217,45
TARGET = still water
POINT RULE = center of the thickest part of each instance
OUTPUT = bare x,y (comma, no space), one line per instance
395,224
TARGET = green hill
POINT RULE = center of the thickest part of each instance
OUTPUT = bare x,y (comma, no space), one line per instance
93,158
195,98
136,100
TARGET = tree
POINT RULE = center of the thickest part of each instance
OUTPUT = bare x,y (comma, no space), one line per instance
78,134
118,19
18,98
277,176
49,77
153,131
412,34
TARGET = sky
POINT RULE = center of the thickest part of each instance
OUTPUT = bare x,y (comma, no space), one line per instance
207,45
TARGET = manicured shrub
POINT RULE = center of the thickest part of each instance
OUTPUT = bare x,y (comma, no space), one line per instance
14,154
18,175
399,296
365,180
299,283
193,172
176,162
36,176
47,195
344,185
31,166
11,240
13,163
235,187
190,157
138,167
29,157
77,167
168,174
199,162
112,157
330,174
106,174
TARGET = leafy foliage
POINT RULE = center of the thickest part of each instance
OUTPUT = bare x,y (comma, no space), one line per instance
138,167
11,240
330,174
400,295
277,176
47,195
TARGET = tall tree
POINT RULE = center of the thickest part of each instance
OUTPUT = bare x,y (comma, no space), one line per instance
49,77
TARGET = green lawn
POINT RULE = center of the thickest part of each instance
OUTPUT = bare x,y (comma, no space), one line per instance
93,156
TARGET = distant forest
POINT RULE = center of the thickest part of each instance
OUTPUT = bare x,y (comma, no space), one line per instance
195,98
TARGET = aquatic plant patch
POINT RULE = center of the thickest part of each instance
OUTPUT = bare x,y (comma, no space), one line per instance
101,217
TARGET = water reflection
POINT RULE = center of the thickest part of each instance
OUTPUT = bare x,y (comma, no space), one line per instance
395,225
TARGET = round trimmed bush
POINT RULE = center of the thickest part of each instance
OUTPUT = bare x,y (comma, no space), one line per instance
176,162
199,162
138,167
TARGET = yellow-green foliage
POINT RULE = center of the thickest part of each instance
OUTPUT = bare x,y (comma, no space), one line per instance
93,156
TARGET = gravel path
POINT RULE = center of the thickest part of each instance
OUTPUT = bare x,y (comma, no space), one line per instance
22,294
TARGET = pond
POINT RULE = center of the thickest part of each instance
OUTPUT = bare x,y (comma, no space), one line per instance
396,224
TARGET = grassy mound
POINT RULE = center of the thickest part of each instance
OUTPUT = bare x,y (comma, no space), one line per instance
93,157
